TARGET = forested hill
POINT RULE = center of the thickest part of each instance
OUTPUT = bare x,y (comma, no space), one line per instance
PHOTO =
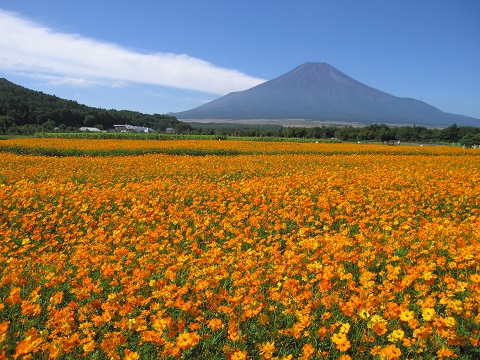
27,111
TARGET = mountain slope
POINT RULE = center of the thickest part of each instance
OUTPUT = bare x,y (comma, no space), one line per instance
318,91
26,111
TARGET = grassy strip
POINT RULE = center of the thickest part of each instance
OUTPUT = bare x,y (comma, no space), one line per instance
74,152
161,136
41,151
126,136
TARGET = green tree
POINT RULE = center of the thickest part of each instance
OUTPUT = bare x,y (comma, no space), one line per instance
348,133
5,123
470,140
89,120
386,135
450,133
183,128
48,125
366,134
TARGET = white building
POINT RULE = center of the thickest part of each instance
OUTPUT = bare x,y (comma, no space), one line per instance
86,128
133,128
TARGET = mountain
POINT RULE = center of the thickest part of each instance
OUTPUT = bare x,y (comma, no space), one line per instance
318,91
25,111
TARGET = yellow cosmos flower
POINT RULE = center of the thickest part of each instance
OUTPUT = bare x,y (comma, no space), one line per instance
407,315
345,328
449,321
396,335
428,275
364,314
428,314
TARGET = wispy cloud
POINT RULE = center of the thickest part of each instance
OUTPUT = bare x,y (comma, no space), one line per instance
76,82
33,49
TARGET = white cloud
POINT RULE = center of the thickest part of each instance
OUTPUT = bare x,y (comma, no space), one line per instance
28,47
76,82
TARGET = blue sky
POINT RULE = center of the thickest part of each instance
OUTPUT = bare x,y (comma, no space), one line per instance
168,56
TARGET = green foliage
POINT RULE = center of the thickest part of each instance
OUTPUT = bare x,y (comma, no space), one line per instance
450,133
183,128
41,151
470,140
372,132
24,111
124,136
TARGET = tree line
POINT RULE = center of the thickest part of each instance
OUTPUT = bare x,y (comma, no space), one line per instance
464,135
25,111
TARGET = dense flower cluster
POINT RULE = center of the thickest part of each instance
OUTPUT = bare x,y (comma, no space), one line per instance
63,147
281,252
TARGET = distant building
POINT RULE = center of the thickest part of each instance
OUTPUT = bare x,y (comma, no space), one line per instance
170,130
133,128
85,128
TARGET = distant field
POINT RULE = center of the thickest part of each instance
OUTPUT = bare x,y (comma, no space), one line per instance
136,249
275,122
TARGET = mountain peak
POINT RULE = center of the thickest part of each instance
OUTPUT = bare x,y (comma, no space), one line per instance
315,67
319,91
309,67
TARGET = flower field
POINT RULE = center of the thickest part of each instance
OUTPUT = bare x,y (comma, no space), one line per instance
142,249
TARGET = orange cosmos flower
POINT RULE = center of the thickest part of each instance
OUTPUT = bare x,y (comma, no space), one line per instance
14,297
30,344
215,324
475,278
267,349
307,351
391,352
263,319
446,353
239,355
233,334
56,298
322,332
131,355
153,337
376,350
70,343
379,327
187,339
343,346
89,346
3,330
408,342
30,309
